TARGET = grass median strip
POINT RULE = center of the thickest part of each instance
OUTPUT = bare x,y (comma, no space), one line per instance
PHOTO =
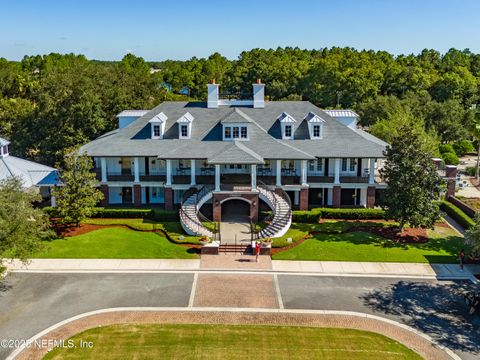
185,341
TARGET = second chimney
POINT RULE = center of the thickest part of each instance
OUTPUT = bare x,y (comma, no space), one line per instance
258,94
213,94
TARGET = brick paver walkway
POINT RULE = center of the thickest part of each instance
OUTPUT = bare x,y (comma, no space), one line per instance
417,343
241,291
235,261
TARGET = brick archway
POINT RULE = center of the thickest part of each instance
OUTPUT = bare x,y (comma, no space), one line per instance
219,198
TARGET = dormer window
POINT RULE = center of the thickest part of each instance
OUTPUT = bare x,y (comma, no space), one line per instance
157,124
185,126
235,132
184,131
156,131
287,122
288,131
315,125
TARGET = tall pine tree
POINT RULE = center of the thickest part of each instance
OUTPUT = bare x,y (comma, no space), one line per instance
413,183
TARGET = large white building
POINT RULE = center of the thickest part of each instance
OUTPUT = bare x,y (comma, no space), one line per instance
228,149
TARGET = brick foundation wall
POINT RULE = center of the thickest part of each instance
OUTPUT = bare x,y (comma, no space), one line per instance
336,196
104,190
370,197
137,195
168,198
462,206
304,199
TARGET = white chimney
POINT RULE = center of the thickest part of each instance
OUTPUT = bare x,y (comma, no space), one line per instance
258,94
212,101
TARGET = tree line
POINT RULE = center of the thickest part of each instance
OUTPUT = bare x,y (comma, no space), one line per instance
52,102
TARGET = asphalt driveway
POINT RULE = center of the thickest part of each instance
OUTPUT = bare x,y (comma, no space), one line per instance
31,302
433,307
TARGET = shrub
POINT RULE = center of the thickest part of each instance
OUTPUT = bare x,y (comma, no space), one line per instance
463,147
314,215
470,170
450,158
127,213
446,148
456,214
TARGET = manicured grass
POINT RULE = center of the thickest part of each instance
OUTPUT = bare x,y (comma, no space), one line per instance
173,229
443,247
167,341
115,243
295,233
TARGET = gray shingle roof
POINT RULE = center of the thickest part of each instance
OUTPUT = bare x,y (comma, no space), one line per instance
236,153
4,142
264,134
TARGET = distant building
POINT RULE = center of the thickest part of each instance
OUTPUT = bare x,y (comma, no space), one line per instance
30,173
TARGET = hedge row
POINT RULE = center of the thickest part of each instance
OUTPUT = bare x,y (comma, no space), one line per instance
314,215
127,213
456,214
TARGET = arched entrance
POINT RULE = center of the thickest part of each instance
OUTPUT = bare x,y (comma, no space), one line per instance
236,210
235,220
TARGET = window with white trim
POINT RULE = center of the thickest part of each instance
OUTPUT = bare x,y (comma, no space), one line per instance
184,130
236,132
315,165
344,164
228,132
352,164
243,132
156,130
288,131
316,131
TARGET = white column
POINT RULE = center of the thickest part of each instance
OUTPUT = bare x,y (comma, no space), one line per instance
253,176
136,169
371,173
217,177
279,173
169,173
192,172
304,173
296,197
103,165
53,200
337,172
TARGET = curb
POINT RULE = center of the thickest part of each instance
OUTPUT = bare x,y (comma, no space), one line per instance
19,350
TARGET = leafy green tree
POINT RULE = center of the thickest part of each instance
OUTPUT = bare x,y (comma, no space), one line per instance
472,235
413,184
392,127
22,227
463,147
78,195
475,131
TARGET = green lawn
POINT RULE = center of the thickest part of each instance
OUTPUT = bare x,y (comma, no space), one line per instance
167,341
174,229
115,243
443,247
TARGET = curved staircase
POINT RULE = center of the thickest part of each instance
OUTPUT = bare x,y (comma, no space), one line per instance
194,223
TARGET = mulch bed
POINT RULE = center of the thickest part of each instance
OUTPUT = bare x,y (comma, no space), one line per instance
408,236
70,230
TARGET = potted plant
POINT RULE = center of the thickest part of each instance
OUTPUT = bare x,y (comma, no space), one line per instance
267,242
204,240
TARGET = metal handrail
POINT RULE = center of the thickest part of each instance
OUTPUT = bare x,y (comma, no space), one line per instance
199,194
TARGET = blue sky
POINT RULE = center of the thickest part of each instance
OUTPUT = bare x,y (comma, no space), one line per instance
158,30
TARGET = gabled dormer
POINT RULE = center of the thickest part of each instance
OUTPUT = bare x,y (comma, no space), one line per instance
287,123
185,126
4,147
236,125
315,125
157,124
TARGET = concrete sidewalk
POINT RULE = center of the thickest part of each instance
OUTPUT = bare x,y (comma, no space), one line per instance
439,271
334,268
104,264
